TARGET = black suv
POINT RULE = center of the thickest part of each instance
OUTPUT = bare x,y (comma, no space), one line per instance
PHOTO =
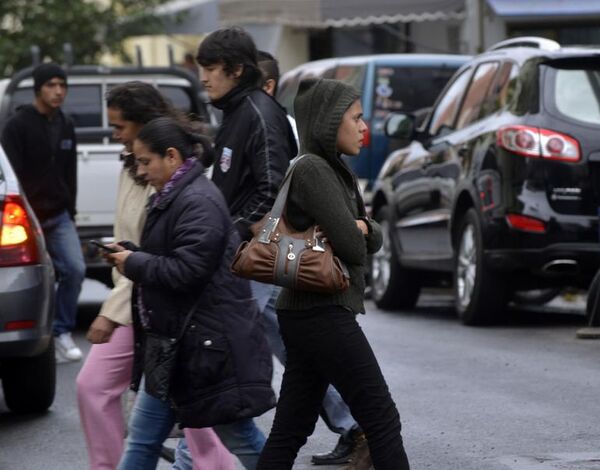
499,187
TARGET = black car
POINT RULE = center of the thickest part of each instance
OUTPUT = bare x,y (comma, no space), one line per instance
498,189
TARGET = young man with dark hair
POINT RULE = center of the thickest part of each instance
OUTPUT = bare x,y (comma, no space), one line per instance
40,143
253,146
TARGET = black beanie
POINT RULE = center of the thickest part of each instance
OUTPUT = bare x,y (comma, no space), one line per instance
44,72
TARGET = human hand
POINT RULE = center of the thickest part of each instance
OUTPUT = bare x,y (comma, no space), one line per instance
362,226
101,330
118,259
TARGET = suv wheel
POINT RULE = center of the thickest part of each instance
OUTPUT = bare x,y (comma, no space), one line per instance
29,383
593,302
480,294
392,286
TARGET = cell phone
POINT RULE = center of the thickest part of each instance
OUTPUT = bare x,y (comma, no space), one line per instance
103,247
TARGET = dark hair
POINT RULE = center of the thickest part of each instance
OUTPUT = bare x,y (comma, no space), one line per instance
231,47
141,102
164,132
269,67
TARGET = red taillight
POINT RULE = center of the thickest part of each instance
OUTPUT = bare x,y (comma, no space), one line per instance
527,224
19,325
17,241
535,142
367,137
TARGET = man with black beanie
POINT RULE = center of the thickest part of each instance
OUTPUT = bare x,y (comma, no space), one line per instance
39,141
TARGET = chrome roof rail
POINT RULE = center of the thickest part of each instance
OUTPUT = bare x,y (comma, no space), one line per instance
527,41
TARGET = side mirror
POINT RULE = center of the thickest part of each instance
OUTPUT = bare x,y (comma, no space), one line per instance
400,126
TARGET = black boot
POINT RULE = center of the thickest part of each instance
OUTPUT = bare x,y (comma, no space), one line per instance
342,451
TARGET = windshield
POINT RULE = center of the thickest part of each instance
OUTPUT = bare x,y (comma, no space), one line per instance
575,93
407,89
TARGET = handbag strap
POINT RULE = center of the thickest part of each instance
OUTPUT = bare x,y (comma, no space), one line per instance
279,204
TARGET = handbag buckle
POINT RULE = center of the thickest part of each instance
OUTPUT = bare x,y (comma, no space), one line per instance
267,230
318,245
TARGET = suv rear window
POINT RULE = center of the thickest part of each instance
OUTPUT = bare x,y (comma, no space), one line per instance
576,94
408,89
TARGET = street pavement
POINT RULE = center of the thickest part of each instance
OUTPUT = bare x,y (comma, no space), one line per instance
518,396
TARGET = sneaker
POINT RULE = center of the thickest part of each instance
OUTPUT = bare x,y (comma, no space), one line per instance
66,349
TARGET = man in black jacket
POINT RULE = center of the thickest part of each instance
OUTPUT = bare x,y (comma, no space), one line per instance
253,146
40,143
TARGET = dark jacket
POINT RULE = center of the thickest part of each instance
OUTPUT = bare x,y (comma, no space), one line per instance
253,148
48,175
324,191
224,367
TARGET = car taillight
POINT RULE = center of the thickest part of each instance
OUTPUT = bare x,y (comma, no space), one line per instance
526,224
367,137
535,142
17,241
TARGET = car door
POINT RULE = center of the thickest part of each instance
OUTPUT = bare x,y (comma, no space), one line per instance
450,165
416,211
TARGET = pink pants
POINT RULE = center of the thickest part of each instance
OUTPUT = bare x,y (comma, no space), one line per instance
103,379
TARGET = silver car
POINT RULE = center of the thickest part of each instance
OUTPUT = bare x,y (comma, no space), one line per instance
27,362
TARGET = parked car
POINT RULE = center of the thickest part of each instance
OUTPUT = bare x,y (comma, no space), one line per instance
98,155
27,363
499,189
388,82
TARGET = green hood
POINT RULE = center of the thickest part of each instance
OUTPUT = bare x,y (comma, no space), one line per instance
319,107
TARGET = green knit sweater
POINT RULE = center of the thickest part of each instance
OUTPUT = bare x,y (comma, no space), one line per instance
324,191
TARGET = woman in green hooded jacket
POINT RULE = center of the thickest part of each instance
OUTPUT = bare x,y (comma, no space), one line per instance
324,343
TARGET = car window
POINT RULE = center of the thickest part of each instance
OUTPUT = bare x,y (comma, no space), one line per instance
351,74
446,108
576,94
179,98
407,89
83,103
502,91
477,93
287,92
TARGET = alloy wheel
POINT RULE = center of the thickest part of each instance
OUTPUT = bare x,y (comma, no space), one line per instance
381,264
466,266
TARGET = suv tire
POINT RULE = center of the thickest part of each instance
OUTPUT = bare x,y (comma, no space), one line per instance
392,286
593,302
29,383
480,294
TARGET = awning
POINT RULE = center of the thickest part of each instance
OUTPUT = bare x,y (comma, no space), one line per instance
189,16
544,8
336,13
365,12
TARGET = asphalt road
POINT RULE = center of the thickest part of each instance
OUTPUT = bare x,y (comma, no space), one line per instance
519,396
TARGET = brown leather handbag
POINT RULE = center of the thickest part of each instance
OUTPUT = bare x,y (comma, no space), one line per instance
279,255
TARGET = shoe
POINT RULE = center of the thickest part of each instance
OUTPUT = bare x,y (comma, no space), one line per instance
343,449
66,349
361,458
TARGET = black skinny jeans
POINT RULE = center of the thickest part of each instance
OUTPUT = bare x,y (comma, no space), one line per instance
326,345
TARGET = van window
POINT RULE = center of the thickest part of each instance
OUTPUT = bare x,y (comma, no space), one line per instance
83,103
445,111
351,74
407,89
502,91
478,91
179,98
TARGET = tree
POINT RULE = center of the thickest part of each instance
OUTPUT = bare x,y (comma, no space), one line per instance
92,27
